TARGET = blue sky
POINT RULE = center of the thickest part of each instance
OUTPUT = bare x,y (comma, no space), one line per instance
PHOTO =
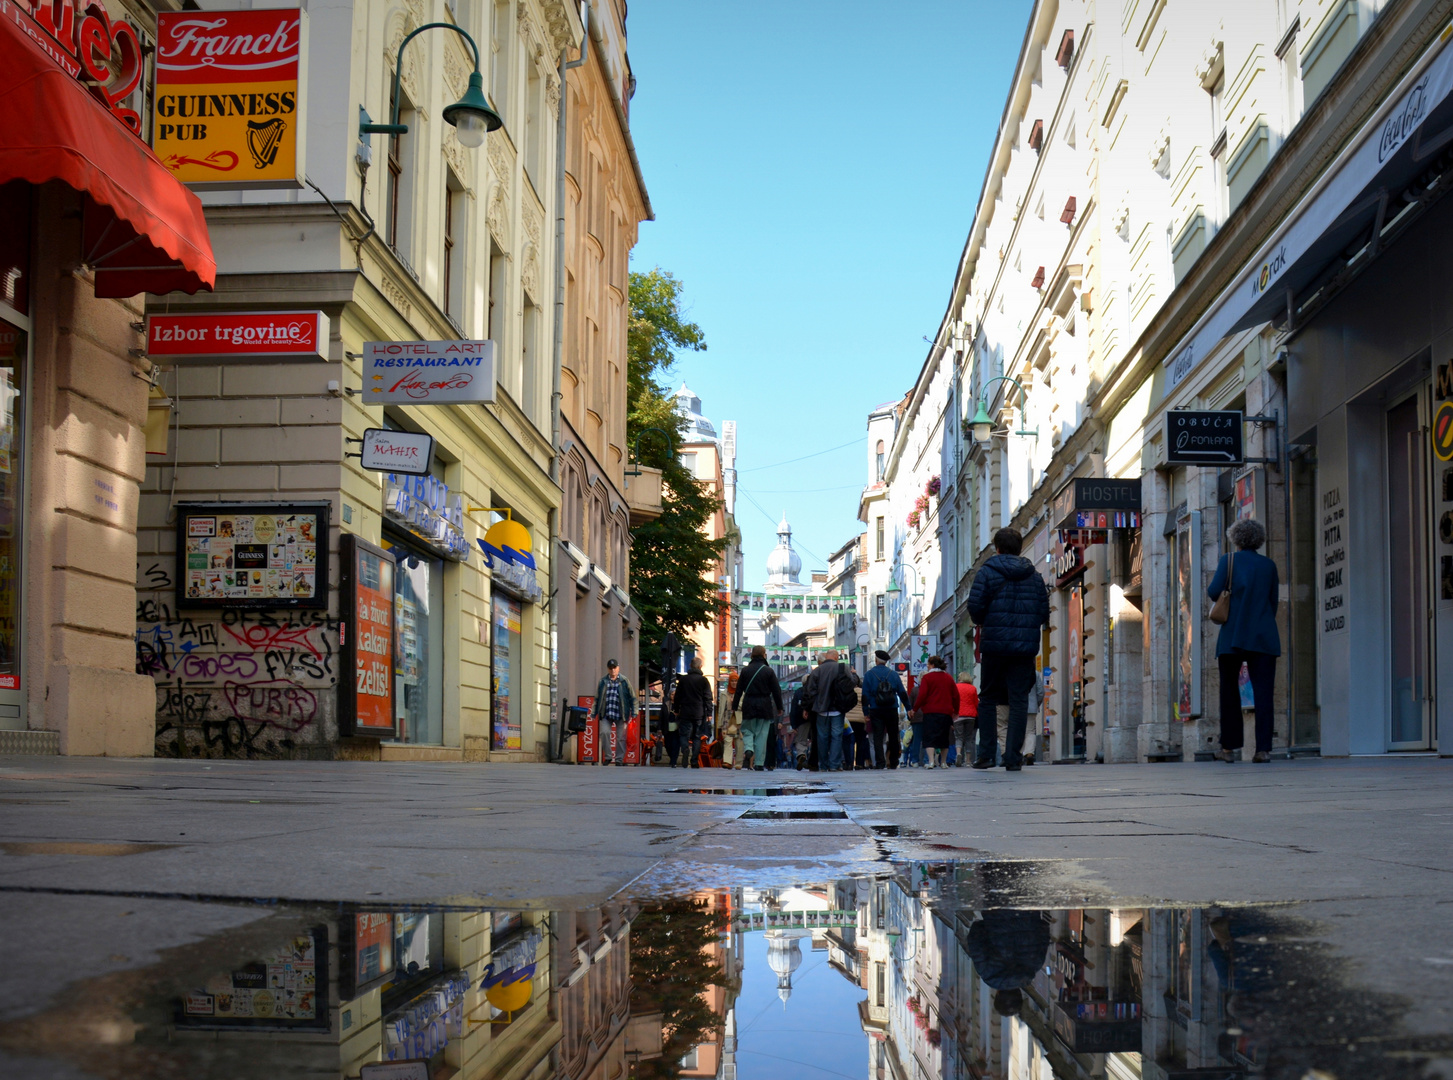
814,169
818,1036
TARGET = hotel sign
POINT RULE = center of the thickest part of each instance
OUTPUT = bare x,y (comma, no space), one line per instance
428,372
229,97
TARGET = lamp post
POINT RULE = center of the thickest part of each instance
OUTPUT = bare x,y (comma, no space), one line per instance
893,587
471,116
982,423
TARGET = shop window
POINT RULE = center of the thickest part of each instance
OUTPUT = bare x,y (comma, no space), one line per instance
418,643
12,367
509,694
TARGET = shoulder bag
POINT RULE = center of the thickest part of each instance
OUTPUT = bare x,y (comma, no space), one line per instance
1221,609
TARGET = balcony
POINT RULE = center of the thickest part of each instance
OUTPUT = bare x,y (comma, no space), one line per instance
643,495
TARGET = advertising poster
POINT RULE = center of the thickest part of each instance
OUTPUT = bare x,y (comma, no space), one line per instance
229,109
252,555
285,988
508,700
367,697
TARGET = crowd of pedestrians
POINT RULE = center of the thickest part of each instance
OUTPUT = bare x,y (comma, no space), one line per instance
836,721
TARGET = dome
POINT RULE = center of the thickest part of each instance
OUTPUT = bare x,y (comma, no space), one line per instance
783,564
784,956
698,427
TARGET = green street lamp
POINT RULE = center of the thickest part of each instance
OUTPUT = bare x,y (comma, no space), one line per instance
471,116
894,589
982,423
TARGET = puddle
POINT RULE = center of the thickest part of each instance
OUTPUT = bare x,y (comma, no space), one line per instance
794,815
760,792
926,970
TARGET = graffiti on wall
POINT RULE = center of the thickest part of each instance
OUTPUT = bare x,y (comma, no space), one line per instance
242,684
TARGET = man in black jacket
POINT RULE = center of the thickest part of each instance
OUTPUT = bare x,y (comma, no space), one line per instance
1010,602
694,705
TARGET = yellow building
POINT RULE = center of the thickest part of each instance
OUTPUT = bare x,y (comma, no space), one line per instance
396,238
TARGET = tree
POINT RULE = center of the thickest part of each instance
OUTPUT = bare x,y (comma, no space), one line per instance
672,559
671,970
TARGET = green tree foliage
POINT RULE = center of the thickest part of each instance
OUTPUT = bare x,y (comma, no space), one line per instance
672,561
670,971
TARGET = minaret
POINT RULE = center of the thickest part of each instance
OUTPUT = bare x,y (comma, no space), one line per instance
784,564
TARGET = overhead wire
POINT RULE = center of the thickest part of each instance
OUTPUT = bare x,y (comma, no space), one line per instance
773,520
804,457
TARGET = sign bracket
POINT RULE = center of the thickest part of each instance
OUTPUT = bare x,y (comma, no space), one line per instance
1274,420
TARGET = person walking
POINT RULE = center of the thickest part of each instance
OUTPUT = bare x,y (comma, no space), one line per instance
802,728
856,752
937,701
966,726
830,690
615,704
759,696
1010,603
1248,636
693,705
882,691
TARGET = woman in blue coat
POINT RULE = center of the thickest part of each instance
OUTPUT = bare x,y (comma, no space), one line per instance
1248,637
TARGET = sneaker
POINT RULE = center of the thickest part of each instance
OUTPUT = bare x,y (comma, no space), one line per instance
1029,759
747,760
1260,757
759,768
983,763
801,762
1013,768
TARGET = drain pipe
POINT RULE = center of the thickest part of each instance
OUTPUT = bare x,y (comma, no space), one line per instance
557,749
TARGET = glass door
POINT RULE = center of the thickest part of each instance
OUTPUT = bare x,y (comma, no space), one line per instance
12,488
1410,602
418,644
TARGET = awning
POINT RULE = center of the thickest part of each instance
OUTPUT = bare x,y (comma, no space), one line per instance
143,231
1376,182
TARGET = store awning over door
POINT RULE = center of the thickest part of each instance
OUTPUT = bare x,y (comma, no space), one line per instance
143,230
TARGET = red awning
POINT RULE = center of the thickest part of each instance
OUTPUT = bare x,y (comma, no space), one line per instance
144,231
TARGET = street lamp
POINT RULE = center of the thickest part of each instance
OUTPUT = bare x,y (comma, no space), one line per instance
982,423
894,589
471,115
670,445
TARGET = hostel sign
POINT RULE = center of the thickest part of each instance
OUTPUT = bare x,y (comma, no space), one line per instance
229,85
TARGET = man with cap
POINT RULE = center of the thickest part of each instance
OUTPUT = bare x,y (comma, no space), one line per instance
615,704
882,690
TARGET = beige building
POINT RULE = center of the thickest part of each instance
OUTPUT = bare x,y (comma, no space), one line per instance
604,200
396,239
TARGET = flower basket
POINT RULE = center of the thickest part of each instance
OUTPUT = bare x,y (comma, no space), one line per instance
921,503
935,485
914,517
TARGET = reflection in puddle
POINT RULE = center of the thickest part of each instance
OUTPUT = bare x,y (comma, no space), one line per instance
929,971
760,792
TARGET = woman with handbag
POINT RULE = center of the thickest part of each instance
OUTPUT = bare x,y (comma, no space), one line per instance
1246,590
759,699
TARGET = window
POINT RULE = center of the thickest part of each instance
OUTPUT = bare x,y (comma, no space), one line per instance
1286,55
879,459
399,195
418,642
506,655
1218,147
688,462
531,363
535,128
499,74
453,249
878,547
497,294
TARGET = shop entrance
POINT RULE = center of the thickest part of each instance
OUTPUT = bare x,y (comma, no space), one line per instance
1410,600
418,643
12,502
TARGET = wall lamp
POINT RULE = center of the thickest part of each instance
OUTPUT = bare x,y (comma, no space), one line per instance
471,115
983,424
670,445
893,588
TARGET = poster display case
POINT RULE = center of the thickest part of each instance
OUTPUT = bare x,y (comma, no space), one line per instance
261,556
366,606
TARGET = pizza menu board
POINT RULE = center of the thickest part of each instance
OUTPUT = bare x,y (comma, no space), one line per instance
285,988
366,591
252,555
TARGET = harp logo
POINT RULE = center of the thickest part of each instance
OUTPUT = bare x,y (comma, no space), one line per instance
229,96
263,140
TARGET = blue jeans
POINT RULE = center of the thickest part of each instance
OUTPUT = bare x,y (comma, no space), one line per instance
830,741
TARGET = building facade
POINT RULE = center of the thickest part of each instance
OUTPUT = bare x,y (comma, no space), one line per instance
397,238
604,200
90,221
1162,186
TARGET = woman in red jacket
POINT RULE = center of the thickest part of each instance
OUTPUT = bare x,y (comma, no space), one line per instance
964,726
938,702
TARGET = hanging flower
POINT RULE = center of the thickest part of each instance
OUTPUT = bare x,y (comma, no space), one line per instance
921,504
913,518
935,484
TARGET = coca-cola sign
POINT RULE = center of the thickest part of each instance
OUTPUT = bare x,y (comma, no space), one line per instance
428,372
88,45
229,85
237,337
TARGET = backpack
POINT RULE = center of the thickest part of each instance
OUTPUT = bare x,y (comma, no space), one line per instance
885,697
842,695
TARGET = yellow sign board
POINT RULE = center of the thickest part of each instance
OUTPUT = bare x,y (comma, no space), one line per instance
229,97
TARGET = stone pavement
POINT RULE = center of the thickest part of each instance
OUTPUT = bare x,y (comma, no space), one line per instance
106,863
